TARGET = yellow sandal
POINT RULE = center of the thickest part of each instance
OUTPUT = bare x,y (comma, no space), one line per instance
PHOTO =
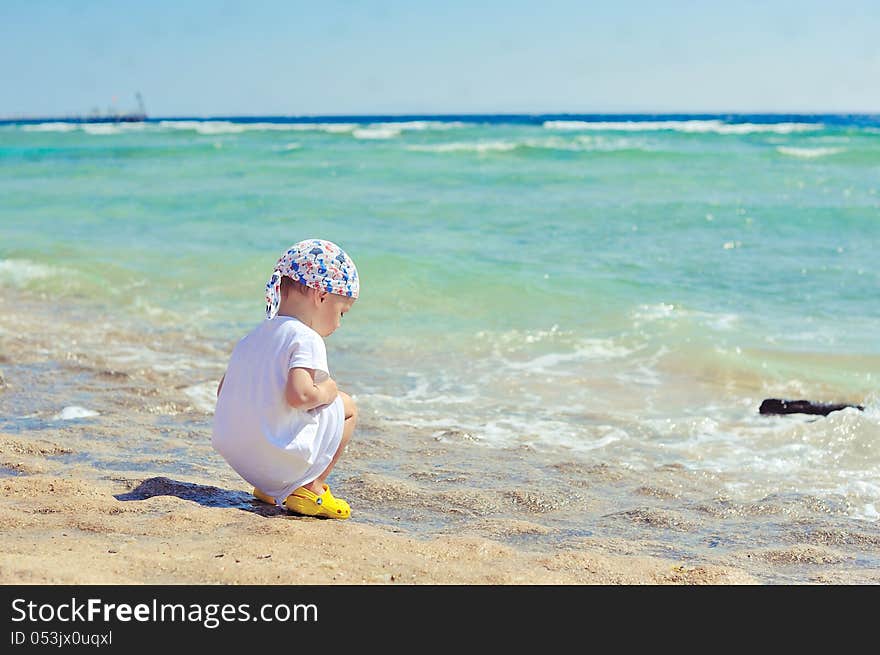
303,501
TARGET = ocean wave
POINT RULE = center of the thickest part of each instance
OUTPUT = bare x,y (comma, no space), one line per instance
422,125
143,354
581,143
774,128
808,153
586,143
690,126
18,272
535,430
329,128
360,131
516,339
88,128
376,132
586,350
801,447
228,127
662,311
391,130
464,146
50,127
203,127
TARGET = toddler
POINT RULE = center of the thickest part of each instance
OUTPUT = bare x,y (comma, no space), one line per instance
280,421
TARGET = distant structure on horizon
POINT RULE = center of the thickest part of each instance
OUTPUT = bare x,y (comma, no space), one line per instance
95,116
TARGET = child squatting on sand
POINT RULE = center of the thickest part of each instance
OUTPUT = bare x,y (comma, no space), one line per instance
281,423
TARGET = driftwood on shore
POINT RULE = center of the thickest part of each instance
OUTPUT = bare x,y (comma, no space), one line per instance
779,406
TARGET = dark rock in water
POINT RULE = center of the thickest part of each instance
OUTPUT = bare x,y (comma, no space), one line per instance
779,406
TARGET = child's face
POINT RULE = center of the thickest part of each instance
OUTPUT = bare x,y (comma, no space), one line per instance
330,313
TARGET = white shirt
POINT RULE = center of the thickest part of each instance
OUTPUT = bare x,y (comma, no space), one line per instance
273,446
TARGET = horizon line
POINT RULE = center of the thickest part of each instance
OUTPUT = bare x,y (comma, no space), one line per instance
511,114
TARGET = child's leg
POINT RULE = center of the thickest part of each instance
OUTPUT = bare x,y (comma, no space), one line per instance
317,485
350,409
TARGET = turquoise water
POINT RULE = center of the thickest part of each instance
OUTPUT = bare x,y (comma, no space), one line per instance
619,287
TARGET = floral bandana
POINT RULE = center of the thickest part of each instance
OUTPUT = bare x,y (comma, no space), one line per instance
316,263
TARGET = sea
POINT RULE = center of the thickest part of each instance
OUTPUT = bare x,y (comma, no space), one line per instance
567,322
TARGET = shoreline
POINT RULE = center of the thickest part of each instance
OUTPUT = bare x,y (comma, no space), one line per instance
166,539
128,491
159,529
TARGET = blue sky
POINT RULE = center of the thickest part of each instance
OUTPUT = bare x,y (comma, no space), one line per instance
198,58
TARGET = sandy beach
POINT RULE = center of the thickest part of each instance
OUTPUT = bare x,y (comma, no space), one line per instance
66,523
131,493
69,531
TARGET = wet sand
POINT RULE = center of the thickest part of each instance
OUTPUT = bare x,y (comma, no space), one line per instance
63,531
108,477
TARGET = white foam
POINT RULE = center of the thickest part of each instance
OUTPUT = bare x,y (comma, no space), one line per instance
535,336
512,341
860,487
387,132
664,311
808,153
219,127
655,312
586,143
642,375
330,128
535,430
475,146
228,127
287,147
604,144
203,396
691,126
581,143
721,322
872,407
50,127
774,128
422,125
19,272
861,490
868,513
615,434
72,412
180,125
587,350
89,128
143,355
629,126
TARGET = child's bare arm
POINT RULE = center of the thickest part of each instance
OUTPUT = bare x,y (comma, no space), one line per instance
304,393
